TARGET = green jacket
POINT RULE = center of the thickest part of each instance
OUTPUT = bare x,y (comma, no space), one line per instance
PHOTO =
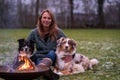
43,47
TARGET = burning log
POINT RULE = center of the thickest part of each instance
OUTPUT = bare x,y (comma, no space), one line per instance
22,64
27,65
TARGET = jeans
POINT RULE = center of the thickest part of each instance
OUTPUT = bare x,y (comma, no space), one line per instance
51,55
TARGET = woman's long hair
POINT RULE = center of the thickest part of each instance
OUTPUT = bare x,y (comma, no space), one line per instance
53,30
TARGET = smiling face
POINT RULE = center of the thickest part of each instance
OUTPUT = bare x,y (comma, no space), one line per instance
46,20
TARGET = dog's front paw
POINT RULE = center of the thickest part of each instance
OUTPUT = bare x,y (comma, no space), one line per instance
60,73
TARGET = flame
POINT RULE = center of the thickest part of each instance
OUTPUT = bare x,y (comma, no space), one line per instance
27,62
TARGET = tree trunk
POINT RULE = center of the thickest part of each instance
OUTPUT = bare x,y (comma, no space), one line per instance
119,13
101,21
37,11
71,13
20,13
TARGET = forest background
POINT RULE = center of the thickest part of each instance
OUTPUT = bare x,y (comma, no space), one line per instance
68,13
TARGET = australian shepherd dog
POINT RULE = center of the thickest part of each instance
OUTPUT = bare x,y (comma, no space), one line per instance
25,46
68,61
25,49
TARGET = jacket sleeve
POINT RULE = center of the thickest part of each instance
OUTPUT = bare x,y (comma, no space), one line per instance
61,34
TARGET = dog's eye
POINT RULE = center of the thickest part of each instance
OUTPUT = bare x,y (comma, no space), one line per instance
63,42
71,42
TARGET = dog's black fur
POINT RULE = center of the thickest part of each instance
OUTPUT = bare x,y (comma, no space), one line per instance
26,46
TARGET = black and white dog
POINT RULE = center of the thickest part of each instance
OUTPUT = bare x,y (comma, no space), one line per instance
24,48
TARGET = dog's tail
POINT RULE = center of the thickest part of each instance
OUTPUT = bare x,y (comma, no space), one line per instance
94,61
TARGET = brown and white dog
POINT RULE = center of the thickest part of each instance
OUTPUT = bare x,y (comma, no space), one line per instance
66,49
68,61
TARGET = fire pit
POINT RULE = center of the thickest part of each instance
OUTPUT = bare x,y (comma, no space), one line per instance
21,75
25,69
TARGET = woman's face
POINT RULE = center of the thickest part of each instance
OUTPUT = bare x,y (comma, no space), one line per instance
46,20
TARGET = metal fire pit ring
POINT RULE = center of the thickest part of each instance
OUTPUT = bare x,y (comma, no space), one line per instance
21,75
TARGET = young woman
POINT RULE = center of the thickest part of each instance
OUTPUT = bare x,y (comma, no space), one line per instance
45,37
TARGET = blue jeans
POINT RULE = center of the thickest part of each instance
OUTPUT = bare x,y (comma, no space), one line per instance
51,55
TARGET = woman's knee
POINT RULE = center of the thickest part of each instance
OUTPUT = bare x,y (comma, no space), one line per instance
51,55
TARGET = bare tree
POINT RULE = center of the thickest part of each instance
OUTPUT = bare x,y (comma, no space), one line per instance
19,10
115,10
43,4
36,11
101,21
71,13
2,12
40,4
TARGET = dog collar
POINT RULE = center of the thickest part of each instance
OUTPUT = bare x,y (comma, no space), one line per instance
73,55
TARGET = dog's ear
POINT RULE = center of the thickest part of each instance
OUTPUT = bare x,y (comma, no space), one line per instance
20,41
73,43
59,41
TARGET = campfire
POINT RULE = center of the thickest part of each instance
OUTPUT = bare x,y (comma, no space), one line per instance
25,69
27,64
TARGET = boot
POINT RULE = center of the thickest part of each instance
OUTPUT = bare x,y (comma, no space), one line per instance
49,75
45,62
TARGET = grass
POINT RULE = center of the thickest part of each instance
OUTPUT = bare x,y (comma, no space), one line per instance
94,43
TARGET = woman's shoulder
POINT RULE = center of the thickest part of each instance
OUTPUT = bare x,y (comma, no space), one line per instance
61,33
60,30
34,30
